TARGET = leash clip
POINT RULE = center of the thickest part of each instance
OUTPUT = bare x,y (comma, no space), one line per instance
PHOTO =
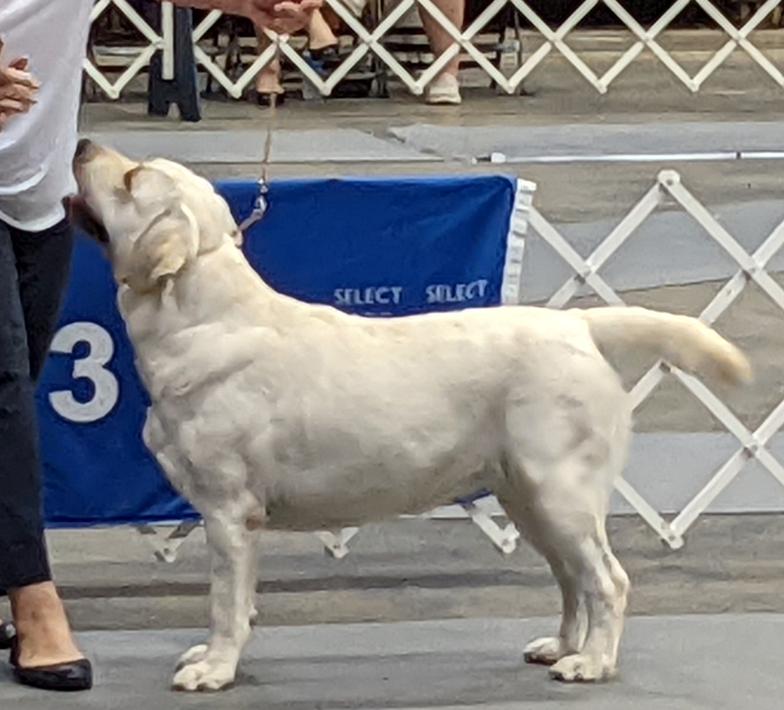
259,210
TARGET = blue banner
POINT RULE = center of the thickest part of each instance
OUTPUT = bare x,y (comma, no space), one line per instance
372,247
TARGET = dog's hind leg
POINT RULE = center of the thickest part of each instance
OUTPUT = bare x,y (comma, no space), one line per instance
233,564
559,470
567,526
604,586
534,528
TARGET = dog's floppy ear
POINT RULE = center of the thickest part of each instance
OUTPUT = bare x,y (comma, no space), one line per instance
151,188
168,235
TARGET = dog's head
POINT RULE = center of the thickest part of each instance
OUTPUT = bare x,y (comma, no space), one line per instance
154,217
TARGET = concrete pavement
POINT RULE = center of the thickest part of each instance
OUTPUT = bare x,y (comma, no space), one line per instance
414,570
722,662
564,143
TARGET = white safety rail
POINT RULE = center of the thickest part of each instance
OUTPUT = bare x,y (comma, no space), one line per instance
752,445
367,41
139,57
555,41
647,39
751,267
370,40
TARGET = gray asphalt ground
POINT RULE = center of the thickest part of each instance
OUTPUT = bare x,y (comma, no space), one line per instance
416,570
669,663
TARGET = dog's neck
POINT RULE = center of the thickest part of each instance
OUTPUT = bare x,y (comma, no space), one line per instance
217,287
215,309
216,316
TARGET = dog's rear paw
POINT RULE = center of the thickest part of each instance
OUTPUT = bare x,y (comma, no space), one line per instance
192,655
581,668
204,675
545,651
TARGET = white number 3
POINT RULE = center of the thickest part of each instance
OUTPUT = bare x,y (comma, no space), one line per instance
91,367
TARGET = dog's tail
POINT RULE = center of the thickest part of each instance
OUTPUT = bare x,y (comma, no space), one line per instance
682,341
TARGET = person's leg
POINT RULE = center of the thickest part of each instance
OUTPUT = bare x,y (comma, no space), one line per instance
23,557
445,88
34,270
268,79
7,276
44,263
320,34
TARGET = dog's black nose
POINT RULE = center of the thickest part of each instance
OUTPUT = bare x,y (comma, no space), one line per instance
82,147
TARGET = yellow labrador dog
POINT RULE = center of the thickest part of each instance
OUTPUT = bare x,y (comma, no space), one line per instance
270,413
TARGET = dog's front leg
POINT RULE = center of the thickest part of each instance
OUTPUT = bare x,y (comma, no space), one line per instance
214,665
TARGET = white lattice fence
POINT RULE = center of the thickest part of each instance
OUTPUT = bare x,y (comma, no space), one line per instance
647,39
139,56
555,41
371,41
751,267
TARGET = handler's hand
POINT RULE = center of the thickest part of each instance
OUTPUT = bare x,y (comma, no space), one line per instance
281,16
17,89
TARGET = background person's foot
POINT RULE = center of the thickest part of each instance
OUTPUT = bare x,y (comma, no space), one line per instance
443,90
268,83
265,100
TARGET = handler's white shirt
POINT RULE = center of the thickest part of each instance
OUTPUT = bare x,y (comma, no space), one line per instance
36,148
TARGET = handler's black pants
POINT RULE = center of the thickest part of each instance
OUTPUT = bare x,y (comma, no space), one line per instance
34,271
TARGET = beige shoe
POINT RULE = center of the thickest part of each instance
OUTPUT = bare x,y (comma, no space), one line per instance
443,90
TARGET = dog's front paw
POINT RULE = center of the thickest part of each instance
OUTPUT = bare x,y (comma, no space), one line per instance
581,668
206,674
545,651
192,655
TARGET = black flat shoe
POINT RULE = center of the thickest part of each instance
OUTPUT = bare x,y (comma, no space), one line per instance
7,635
264,99
73,676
